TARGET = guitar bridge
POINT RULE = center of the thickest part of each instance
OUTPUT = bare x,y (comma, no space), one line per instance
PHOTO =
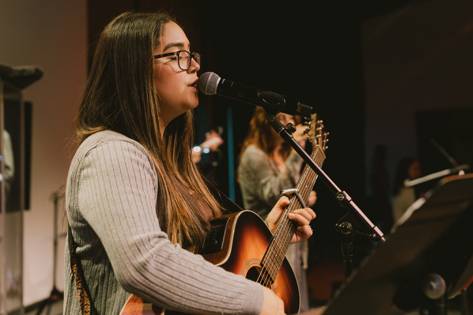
213,242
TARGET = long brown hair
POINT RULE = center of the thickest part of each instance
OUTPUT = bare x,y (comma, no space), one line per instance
120,96
262,135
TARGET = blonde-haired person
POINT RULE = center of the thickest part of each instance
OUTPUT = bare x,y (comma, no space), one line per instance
135,200
267,165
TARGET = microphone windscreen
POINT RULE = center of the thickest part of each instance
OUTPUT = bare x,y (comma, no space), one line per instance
208,83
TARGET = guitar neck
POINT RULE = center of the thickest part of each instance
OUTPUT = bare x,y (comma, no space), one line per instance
276,252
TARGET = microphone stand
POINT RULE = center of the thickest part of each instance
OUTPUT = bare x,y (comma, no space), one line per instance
342,197
347,228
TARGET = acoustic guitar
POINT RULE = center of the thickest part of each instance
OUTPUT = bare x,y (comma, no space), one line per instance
241,242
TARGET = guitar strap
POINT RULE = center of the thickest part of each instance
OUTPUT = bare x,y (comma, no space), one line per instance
82,292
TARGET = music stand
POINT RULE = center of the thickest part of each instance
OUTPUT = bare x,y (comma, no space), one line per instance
55,294
432,240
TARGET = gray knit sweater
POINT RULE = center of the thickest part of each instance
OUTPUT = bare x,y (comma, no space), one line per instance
261,181
111,200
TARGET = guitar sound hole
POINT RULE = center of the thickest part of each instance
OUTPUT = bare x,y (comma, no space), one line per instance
254,274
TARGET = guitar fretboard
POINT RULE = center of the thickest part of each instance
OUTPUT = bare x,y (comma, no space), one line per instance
274,256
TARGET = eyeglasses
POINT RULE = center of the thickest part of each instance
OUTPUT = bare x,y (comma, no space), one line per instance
184,58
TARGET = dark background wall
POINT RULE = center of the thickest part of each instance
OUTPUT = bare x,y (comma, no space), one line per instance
309,52
391,72
317,53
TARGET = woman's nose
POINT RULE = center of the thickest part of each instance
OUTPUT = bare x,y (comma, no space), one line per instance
195,66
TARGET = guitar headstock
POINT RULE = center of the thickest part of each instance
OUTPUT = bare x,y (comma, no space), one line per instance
317,134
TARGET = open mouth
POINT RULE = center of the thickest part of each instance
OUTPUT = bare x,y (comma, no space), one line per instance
195,84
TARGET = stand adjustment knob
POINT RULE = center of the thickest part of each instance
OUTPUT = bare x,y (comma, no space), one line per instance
434,286
290,128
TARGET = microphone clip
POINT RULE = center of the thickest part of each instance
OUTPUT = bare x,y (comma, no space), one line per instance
276,102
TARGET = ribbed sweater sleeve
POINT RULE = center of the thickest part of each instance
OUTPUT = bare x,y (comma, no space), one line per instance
111,205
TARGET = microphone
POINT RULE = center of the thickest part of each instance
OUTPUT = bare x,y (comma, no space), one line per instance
211,84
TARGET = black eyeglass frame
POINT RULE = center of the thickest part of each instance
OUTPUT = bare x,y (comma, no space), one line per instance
195,55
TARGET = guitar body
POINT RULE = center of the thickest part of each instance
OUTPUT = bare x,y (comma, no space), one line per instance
237,244
240,241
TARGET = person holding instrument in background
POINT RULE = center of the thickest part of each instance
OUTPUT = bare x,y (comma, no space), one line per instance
268,165
136,203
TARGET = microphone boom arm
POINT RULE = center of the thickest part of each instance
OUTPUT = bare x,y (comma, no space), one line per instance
342,197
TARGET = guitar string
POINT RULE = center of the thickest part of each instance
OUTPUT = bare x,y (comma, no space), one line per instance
287,228
268,270
306,187
276,251
282,239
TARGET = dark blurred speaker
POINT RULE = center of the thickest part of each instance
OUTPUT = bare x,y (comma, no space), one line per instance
20,76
